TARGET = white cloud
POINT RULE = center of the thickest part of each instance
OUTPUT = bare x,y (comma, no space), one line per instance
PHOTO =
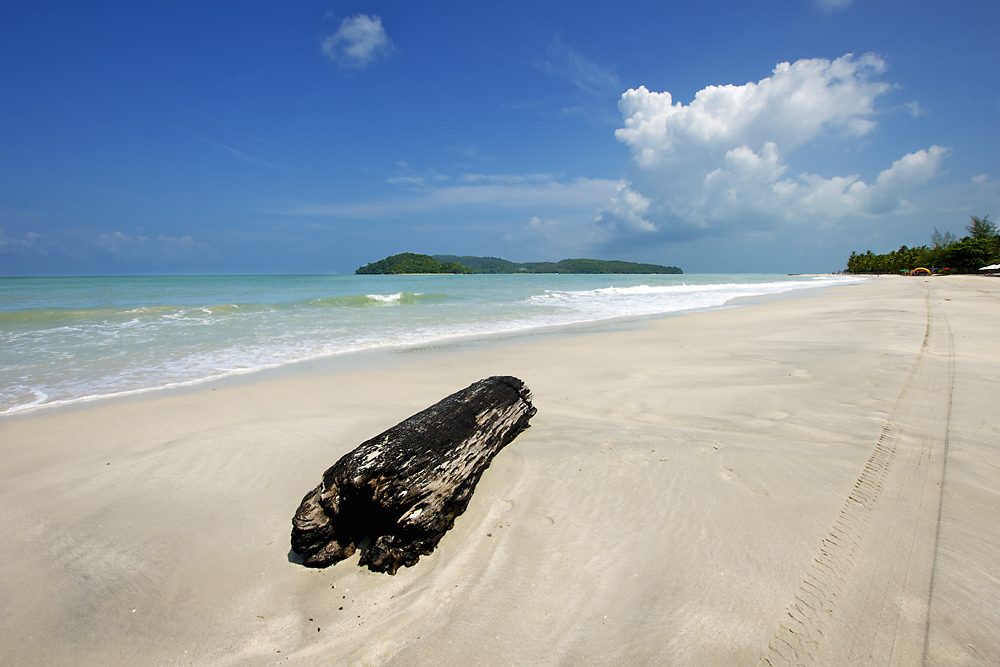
981,178
579,231
139,246
118,242
626,210
239,155
719,164
506,179
179,243
27,242
750,186
548,229
565,62
471,152
911,170
914,109
360,41
833,5
490,190
789,108
417,181
548,238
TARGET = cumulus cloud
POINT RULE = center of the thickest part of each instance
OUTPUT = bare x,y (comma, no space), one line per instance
719,164
360,41
789,108
626,210
750,185
911,170
577,232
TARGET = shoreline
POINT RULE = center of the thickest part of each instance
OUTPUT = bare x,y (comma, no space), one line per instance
680,477
354,358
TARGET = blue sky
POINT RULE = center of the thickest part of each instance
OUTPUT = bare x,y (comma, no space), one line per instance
314,137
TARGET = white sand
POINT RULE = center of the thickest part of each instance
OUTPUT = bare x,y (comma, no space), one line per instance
724,488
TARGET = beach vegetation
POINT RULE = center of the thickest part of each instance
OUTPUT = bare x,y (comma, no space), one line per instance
939,240
981,228
945,254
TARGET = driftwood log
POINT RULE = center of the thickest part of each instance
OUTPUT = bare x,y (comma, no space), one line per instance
396,495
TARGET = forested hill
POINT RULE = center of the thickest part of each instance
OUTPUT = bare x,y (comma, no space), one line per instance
408,262
498,265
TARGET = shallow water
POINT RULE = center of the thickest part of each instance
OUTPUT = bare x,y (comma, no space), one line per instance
69,339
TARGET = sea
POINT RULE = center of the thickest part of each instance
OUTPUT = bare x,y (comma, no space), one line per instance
66,340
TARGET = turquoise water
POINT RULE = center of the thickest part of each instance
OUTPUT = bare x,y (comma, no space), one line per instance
70,339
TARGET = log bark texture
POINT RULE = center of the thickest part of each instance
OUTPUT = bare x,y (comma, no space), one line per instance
396,495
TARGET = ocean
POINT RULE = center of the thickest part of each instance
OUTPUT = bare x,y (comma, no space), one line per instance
64,340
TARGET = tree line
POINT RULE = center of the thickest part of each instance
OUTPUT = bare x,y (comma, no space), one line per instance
945,253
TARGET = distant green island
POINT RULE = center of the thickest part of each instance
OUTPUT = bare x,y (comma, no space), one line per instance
409,262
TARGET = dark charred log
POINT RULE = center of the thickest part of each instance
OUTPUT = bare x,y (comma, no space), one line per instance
396,495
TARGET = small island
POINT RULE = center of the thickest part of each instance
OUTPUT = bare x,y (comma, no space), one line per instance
409,262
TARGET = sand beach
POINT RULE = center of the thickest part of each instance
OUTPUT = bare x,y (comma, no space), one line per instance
806,479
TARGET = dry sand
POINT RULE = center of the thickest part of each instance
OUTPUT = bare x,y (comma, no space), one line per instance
808,480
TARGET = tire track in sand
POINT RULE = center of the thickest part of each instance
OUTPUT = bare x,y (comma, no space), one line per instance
866,596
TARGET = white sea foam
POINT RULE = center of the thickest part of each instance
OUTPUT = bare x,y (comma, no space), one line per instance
386,298
638,300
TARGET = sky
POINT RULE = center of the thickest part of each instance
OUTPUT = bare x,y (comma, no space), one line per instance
314,137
